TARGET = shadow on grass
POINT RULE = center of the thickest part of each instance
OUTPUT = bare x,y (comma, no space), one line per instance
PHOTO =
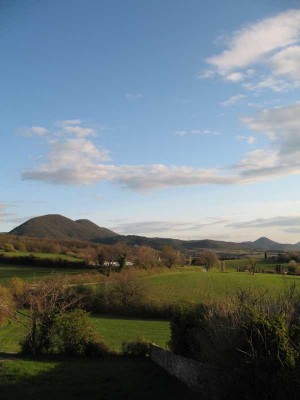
82,378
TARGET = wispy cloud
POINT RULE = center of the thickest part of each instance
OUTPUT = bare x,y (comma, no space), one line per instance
231,101
150,227
249,139
33,131
196,132
67,122
274,222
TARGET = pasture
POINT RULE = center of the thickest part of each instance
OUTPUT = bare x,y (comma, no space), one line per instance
191,285
49,256
113,330
28,273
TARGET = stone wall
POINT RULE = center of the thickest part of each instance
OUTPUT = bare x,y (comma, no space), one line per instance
201,378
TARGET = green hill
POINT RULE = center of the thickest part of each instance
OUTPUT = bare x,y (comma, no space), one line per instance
55,226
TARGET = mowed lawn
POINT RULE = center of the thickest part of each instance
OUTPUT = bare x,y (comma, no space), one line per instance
114,378
196,286
113,330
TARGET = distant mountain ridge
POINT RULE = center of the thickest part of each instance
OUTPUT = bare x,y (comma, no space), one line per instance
55,226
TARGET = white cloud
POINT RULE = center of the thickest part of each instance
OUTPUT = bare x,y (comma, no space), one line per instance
134,96
235,77
250,44
282,126
78,161
249,139
231,101
136,177
79,131
272,43
287,62
274,84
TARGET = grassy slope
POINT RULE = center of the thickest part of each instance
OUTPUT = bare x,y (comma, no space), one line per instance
113,330
69,379
193,286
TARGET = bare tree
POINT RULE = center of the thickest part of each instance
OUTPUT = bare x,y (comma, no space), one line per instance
252,264
170,256
127,288
208,259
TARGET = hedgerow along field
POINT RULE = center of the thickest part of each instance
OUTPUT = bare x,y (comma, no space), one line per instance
113,330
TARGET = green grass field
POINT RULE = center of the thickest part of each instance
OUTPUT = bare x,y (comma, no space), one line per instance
40,255
113,330
113,378
25,272
196,286
262,265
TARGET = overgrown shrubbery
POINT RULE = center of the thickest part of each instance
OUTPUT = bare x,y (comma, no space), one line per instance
254,339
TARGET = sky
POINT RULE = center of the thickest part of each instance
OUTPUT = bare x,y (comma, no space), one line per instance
161,118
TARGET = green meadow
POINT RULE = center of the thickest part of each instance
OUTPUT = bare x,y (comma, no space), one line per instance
28,273
113,330
48,256
197,286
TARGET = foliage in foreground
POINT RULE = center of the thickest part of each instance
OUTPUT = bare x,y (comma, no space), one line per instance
253,337
51,315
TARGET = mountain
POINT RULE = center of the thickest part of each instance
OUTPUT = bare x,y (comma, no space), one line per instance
261,244
265,243
99,232
55,226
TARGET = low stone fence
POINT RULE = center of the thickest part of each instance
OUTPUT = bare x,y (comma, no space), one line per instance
204,379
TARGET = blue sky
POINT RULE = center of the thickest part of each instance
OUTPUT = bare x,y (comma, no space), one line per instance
161,118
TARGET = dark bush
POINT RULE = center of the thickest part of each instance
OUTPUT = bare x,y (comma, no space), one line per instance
75,334
140,348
